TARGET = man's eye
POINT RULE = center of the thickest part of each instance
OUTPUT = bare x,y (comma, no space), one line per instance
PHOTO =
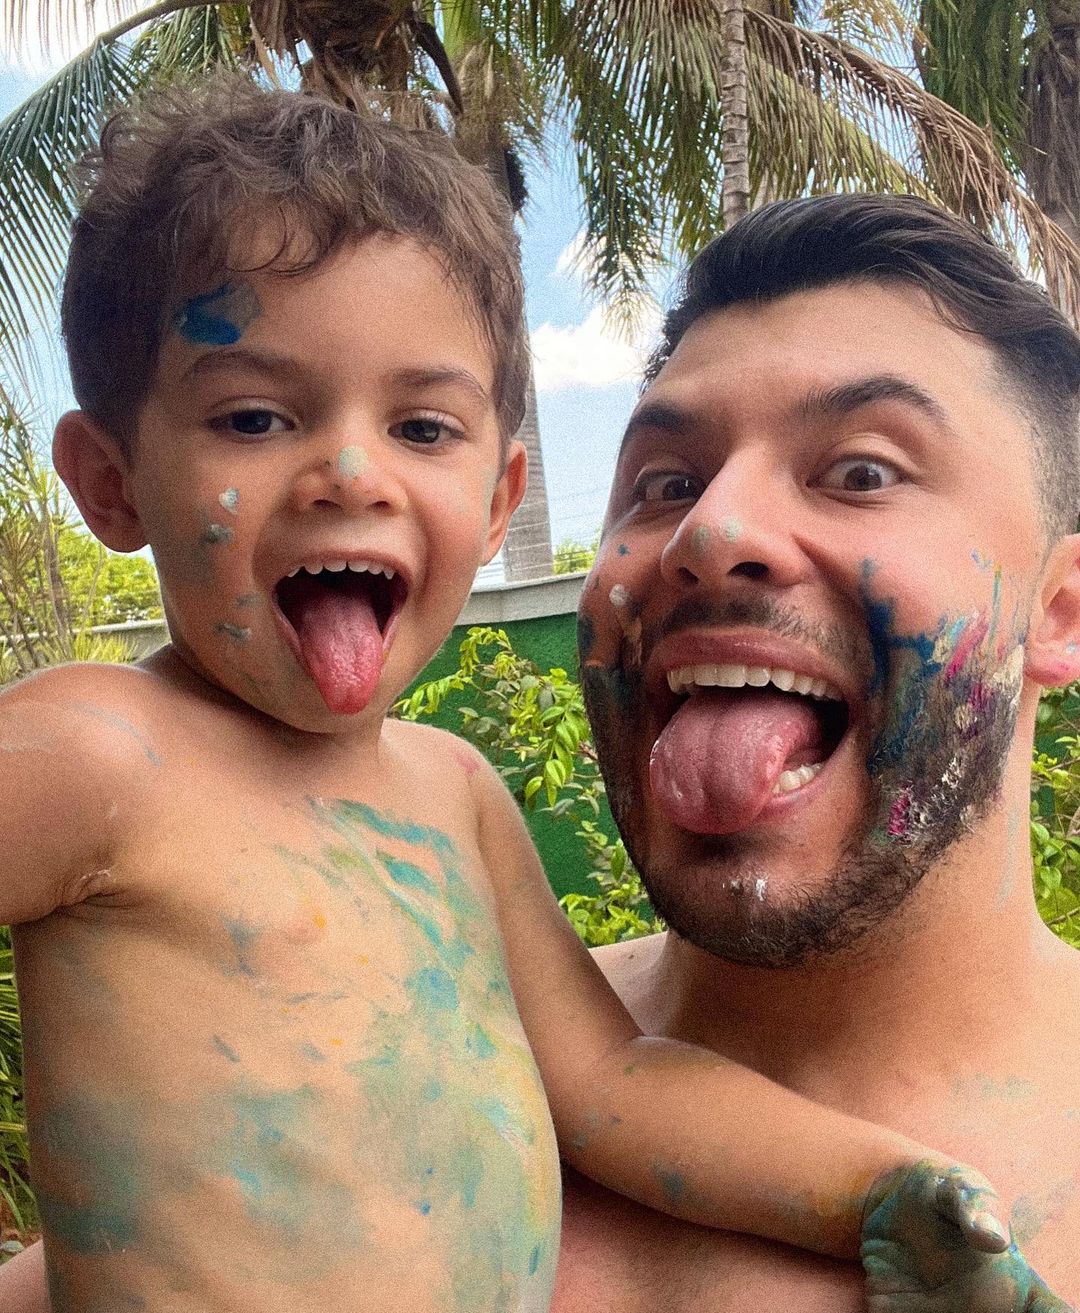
253,423
423,429
860,475
666,485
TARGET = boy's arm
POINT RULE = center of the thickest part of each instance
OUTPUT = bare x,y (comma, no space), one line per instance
23,1284
675,1126
57,817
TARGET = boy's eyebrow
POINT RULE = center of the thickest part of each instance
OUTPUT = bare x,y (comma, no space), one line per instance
270,362
435,375
262,362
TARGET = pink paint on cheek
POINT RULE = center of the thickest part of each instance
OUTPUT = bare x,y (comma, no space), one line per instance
898,816
967,644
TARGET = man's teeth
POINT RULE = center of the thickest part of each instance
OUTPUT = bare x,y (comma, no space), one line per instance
687,678
357,566
795,779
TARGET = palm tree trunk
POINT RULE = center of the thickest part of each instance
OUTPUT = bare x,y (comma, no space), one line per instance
735,139
1052,163
527,551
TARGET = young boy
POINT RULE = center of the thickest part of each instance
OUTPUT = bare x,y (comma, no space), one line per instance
273,946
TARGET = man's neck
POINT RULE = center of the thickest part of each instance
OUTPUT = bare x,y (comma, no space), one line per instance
953,975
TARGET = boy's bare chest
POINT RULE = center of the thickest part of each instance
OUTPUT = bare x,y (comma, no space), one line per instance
305,1017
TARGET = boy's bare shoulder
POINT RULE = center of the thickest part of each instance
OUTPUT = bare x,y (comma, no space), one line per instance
88,707
437,750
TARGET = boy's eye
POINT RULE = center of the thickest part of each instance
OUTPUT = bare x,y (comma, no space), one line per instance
423,429
667,485
253,423
860,475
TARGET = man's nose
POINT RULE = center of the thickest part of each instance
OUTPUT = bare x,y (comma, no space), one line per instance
350,473
743,526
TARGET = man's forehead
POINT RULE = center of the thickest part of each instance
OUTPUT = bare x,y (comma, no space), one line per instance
826,351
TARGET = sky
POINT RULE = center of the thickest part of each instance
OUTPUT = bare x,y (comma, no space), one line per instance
586,372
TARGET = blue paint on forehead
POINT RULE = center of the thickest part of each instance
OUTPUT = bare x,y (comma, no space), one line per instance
218,318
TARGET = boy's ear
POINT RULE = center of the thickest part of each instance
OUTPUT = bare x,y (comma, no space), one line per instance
95,472
507,497
1052,650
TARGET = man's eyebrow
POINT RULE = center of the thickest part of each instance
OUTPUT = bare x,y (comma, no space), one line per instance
846,398
657,415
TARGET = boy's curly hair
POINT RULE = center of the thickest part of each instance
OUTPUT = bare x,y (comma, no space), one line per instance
179,179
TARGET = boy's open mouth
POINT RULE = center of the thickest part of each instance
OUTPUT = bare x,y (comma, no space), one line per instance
738,737
338,618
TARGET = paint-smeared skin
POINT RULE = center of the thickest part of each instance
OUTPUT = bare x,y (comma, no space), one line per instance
330,1105
218,318
952,701
909,1253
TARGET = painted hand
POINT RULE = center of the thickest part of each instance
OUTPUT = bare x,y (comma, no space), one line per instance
931,1244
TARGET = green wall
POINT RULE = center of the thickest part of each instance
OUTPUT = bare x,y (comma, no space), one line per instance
550,641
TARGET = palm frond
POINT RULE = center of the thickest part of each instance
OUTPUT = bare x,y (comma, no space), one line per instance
644,77
57,24
42,140
39,143
973,55
969,176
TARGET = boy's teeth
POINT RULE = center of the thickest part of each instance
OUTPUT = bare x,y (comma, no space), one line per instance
795,779
687,678
336,566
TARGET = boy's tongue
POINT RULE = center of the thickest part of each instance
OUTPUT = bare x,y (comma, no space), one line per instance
714,766
341,643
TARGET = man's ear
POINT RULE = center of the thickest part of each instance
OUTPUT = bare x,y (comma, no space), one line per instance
507,497
95,472
1052,650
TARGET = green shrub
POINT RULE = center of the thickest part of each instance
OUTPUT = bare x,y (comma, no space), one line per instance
15,1193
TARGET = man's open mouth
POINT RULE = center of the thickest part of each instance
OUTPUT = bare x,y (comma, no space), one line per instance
739,736
338,616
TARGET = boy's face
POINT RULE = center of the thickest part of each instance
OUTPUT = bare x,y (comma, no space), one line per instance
317,469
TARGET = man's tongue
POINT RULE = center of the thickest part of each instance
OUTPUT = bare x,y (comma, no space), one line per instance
714,766
341,643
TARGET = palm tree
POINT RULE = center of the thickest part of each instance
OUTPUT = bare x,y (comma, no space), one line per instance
649,93
1014,66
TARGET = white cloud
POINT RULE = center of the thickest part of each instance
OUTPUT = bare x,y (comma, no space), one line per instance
568,263
592,353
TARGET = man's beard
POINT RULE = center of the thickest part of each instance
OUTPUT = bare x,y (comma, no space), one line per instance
936,768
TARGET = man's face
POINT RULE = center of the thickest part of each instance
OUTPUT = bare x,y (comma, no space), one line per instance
802,638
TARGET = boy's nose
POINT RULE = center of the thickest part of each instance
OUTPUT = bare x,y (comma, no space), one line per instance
350,477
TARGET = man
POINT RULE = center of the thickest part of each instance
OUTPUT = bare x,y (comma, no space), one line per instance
837,569
838,529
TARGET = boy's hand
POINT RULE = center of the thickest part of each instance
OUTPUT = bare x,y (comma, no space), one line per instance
931,1244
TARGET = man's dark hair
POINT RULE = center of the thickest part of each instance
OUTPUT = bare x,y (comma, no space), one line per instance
795,246
182,180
